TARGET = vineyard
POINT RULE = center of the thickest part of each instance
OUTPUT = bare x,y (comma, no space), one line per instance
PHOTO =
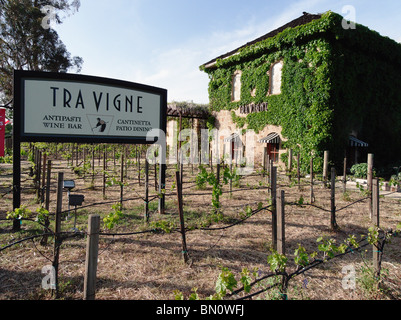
222,247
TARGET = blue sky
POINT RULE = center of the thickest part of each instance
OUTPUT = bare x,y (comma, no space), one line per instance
163,42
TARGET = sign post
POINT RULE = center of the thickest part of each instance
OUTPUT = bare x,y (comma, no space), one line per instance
60,107
2,130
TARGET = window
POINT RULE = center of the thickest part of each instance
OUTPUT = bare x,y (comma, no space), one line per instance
276,73
236,93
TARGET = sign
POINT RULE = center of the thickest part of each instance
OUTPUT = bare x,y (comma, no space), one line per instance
63,108
252,108
2,130
56,107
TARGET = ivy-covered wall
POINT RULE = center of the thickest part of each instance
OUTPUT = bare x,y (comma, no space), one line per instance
334,81
366,95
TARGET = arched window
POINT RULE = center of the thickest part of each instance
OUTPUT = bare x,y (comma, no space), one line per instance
276,74
236,93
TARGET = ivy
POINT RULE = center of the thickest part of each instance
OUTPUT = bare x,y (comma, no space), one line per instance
327,87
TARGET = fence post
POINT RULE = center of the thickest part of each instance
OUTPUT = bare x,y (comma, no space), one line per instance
268,166
93,166
92,249
42,194
84,159
218,173
48,178
281,222
57,228
289,164
273,185
376,223
181,212
231,179
139,165
264,162
104,172
43,242
370,181
38,175
299,170
325,167
312,196
146,191
155,168
122,180
76,154
333,222
345,175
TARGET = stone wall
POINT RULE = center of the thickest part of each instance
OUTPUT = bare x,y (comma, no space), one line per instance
225,124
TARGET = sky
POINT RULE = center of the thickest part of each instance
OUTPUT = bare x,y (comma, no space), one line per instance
162,43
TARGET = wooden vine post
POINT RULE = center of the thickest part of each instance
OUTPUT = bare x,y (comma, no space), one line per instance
57,228
289,164
218,173
281,222
42,193
122,181
93,166
345,176
155,169
146,191
333,222
43,241
104,172
48,180
92,250
139,164
376,223
325,168
298,171
231,179
264,162
38,166
370,183
273,186
281,238
312,195
181,213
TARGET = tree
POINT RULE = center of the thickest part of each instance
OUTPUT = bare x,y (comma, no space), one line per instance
26,43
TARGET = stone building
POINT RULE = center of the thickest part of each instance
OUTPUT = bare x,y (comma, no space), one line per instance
317,83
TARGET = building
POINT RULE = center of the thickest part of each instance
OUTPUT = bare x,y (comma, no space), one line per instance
317,83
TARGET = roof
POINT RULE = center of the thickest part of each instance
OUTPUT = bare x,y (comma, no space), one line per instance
304,19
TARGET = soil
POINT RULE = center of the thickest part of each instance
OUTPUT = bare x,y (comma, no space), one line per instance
150,266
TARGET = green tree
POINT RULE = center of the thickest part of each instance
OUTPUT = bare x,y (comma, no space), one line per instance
28,43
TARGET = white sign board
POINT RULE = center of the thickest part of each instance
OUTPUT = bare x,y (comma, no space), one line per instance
68,107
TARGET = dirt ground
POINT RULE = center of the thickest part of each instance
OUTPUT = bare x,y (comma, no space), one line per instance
149,266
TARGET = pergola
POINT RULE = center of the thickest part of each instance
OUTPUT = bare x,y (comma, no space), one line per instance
188,110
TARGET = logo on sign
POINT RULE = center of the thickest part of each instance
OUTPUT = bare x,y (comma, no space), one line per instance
100,124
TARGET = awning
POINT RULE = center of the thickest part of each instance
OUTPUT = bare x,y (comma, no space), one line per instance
235,137
354,142
271,138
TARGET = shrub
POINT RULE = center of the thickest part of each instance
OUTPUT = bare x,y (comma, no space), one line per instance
360,170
